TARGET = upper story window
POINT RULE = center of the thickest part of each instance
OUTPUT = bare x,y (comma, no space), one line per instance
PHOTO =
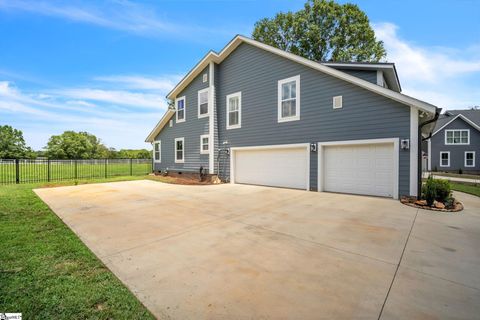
179,150
444,159
461,136
289,99
180,107
234,110
204,144
469,158
203,103
157,151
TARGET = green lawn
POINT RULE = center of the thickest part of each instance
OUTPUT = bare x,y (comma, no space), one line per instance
32,171
456,175
467,188
46,272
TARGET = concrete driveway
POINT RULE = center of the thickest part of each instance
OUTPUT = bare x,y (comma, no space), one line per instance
249,252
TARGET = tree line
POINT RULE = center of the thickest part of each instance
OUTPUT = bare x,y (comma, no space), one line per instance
68,145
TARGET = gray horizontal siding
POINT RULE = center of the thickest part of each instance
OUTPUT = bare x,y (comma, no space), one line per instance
255,72
191,130
457,152
370,76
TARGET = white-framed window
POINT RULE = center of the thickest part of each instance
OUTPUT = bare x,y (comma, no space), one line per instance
469,158
289,99
234,110
179,150
203,108
457,136
157,151
204,144
337,102
444,158
180,108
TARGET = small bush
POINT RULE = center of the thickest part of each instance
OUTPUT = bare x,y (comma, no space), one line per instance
436,189
460,171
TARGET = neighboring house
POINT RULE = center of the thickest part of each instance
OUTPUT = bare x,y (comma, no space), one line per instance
455,142
255,114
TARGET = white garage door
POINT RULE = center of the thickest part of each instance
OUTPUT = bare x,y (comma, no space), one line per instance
361,169
279,167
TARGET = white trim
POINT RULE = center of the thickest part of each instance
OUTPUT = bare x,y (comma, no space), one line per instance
201,144
470,122
276,146
183,150
414,149
184,109
239,96
440,159
457,144
160,124
465,159
297,99
207,90
211,120
429,159
159,142
232,45
341,102
380,80
396,153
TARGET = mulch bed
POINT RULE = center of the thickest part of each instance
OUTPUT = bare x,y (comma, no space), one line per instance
182,180
437,206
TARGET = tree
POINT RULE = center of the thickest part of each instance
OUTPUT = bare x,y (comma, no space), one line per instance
12,144
75,145
134,154
323,31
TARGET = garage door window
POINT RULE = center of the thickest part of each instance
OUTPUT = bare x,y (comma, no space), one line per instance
289,99
179,150
445,159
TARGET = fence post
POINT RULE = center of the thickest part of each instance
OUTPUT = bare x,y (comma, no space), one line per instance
106,162
17,171
48,170
75,169
131,169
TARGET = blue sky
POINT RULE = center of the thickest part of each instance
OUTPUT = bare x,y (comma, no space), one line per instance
105,67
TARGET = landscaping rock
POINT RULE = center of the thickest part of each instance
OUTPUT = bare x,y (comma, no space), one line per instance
439,205
421,202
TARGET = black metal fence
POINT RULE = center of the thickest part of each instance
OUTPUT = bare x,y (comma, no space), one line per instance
47,170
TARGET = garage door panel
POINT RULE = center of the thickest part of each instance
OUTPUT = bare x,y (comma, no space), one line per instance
359,169
278,167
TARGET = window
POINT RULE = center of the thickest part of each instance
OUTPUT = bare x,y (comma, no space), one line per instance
180,106
204,145
157,151
337,102
234,110
203,103
179,150
445,159
469,158
457,136
289,99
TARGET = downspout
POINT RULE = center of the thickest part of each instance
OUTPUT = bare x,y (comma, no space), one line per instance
419,153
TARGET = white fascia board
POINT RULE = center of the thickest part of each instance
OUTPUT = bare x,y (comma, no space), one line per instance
163,121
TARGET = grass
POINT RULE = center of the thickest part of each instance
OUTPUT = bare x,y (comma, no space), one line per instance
473,189
456,175
46,272
61,170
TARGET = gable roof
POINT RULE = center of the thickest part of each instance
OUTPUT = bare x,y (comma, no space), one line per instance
215,57
472,117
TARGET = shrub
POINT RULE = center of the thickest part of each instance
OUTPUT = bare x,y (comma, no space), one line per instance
460,171
436,189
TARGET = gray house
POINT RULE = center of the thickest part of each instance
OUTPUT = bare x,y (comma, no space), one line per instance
455,142
255,114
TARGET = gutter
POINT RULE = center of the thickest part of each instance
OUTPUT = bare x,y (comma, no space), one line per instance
419,153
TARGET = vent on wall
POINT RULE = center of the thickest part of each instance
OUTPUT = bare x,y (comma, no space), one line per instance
171,123
337,102
205,77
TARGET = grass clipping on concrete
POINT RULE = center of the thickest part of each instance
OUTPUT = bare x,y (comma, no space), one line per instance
46,272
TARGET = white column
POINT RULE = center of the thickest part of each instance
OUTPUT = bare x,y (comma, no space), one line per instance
211,119
414,148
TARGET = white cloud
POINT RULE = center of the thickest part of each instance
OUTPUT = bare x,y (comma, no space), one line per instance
446,77
164,84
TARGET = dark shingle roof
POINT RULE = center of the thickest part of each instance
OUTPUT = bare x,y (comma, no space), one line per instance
472,115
